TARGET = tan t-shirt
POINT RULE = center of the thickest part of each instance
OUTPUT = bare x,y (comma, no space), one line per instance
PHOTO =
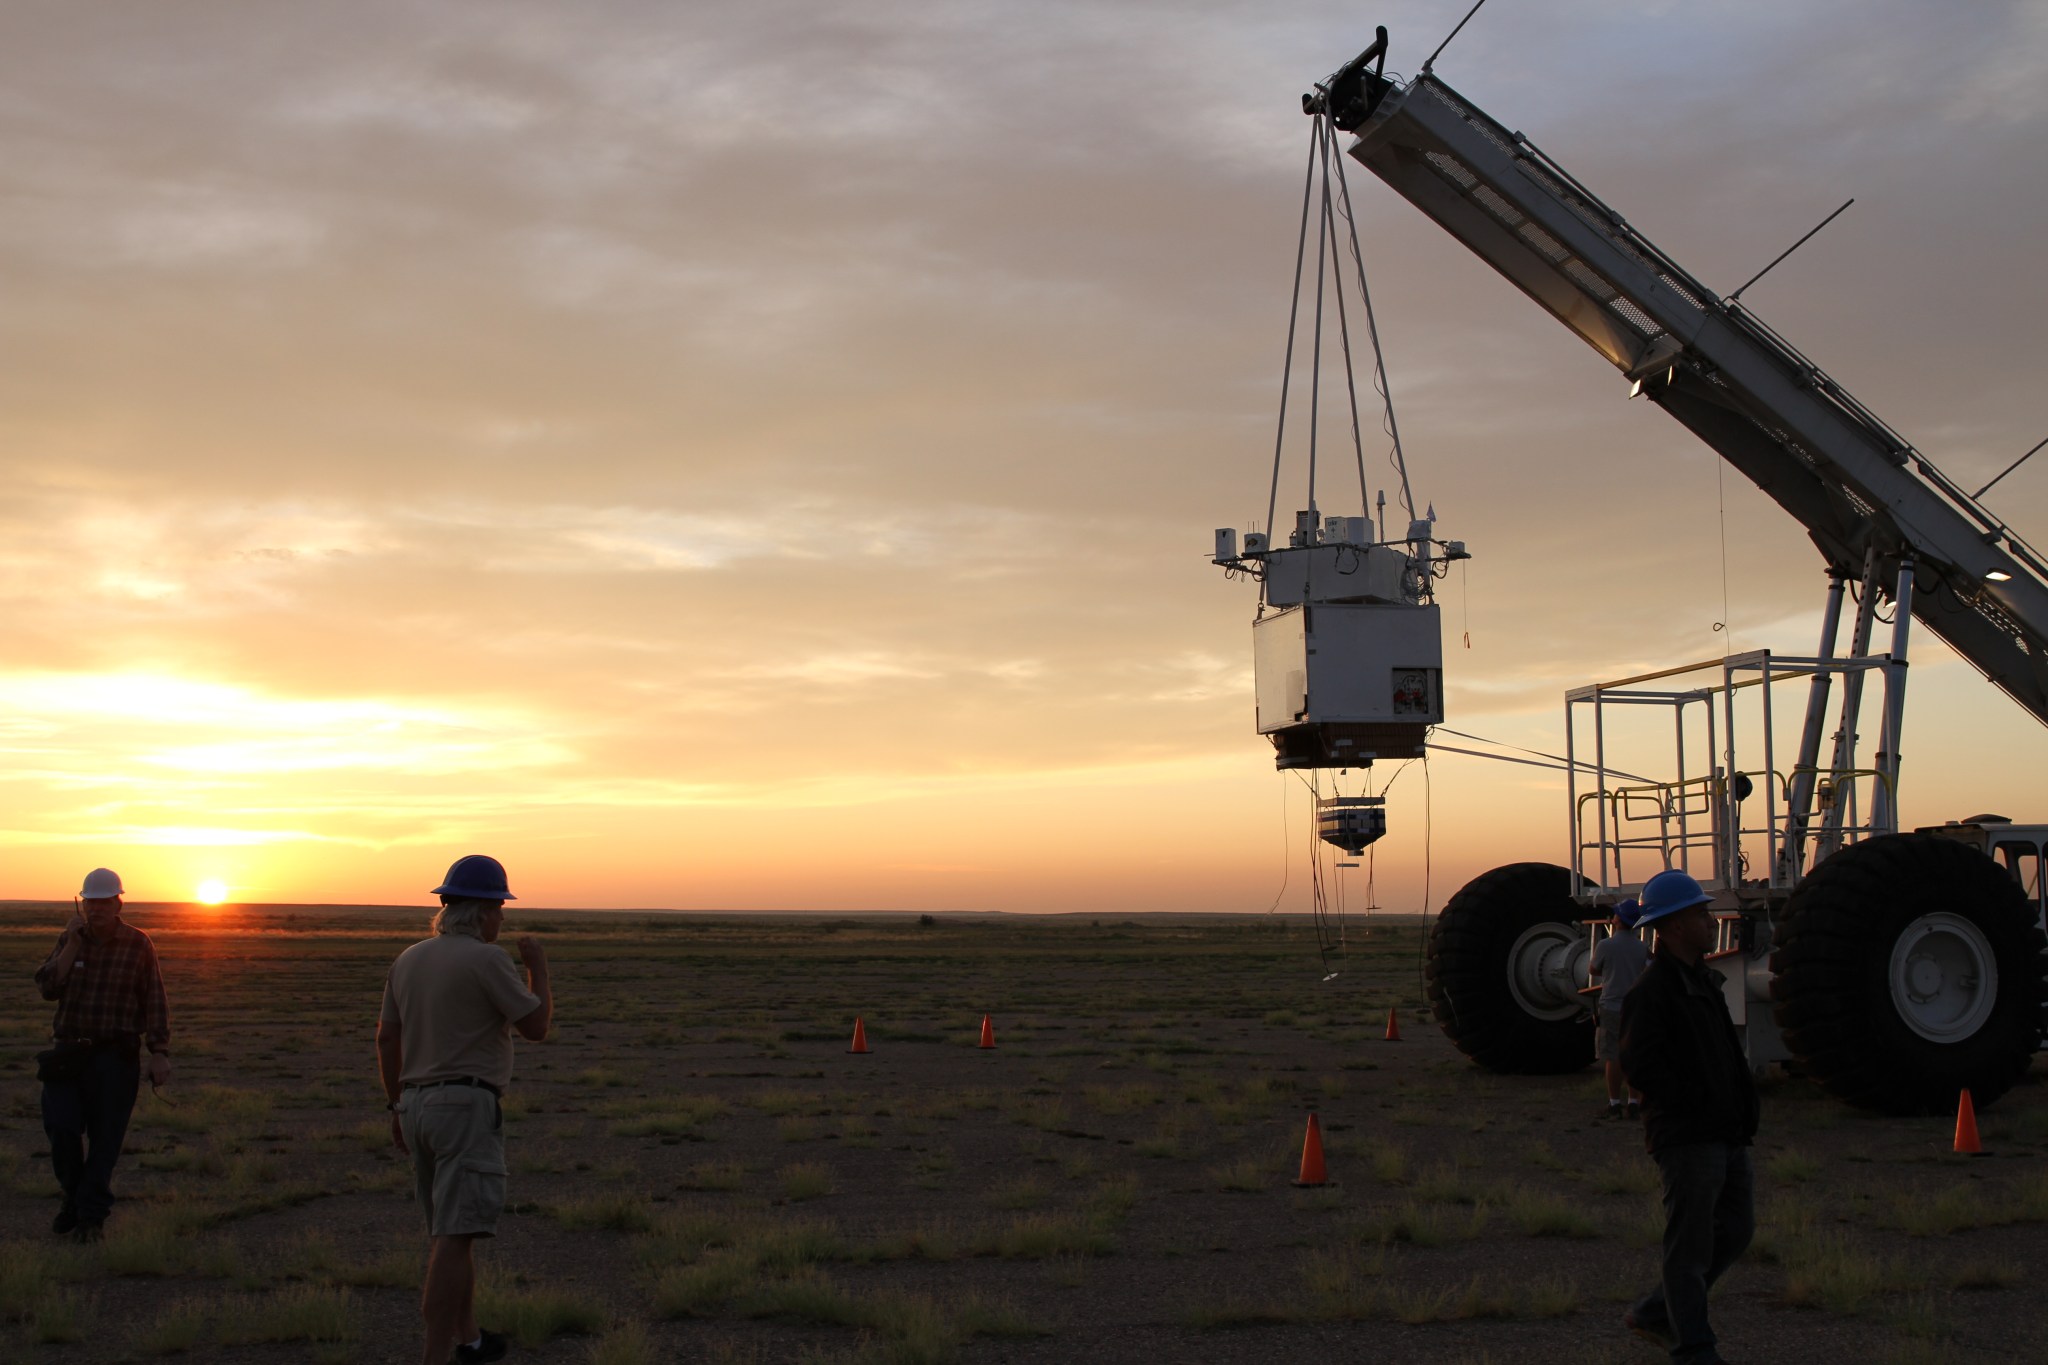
454,999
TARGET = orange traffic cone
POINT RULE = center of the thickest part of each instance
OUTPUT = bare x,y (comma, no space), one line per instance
988,1034
1966,1127
1312,1172
860,1037
1393,1026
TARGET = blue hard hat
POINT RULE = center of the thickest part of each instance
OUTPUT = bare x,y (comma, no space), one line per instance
1628,913
477,876
1667,893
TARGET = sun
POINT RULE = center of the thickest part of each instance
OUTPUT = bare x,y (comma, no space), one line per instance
212,891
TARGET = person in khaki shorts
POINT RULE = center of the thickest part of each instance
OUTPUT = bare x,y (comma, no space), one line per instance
444,1053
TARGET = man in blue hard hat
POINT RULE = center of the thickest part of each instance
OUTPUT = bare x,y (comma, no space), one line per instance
109,990
444,1053
1679,1047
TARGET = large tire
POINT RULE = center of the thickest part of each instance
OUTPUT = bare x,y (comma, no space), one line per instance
1907,969
1474,1000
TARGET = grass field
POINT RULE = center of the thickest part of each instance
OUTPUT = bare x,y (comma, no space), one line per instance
700,1171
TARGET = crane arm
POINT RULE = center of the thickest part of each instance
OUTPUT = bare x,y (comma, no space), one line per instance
1853,483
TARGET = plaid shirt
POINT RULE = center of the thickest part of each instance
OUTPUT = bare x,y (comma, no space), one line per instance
115,988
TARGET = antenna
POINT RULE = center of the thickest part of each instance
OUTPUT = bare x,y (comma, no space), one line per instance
2009,469
1447,42
1786,252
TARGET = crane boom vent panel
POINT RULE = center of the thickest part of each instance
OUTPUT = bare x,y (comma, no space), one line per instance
1854,483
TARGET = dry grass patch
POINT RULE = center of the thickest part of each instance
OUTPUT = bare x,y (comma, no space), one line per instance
604,1213
1538,1213
715,1175
1114,1101
531,1316
179,1326
1830,1270
301,1313
805,1180
1038,1236
1424,1225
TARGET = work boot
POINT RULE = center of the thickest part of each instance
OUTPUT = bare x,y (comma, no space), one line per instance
89,1230
65,1221
1657,1329
489,1347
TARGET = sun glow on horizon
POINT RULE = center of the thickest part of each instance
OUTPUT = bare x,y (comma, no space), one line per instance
212,891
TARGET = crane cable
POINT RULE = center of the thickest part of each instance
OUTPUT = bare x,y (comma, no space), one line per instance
1379,365
1324,157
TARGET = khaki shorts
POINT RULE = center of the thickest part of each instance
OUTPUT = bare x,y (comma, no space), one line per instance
457,1141
1607,1038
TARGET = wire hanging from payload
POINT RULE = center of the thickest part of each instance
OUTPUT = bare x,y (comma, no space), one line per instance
1329,923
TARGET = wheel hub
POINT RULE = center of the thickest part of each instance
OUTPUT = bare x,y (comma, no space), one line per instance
1944,977
1546,967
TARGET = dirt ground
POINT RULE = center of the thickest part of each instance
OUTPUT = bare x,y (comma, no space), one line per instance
701,1171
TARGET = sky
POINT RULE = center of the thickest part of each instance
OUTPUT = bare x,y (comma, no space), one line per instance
764,456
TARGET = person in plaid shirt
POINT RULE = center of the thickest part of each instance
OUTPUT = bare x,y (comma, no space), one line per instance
104,977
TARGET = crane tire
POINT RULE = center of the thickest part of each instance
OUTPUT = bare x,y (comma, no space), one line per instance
1907,969
1467,972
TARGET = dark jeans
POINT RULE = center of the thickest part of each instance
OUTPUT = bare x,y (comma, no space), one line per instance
86,1119
1709,1215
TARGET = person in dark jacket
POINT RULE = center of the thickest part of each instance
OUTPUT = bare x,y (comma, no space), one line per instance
1680,1048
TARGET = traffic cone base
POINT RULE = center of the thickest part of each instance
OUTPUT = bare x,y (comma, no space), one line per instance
1966,1127
1393,1026
1312,1172
988,1034
860,1037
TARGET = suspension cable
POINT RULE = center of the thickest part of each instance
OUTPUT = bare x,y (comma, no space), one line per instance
1315,378
1344,330
1308,185
1326,158
1379,366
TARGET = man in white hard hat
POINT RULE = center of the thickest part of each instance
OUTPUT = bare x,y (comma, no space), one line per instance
444,1052
109,990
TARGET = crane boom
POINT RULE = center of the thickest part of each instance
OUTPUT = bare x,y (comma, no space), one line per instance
1858,487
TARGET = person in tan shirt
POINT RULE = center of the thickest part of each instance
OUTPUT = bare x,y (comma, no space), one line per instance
444,1053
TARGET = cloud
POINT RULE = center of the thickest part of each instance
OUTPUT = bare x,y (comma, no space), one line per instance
603,425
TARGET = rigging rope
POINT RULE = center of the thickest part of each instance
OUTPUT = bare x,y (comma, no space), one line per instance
1308,185
1315,378
1330,153
1326,158
1379,366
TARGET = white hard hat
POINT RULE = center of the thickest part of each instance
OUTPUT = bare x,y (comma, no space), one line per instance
100,884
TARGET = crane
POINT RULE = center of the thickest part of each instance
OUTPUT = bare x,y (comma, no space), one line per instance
1896,967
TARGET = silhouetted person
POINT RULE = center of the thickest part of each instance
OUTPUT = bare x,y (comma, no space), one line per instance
1619,961
444,1053
104,976
1679,1047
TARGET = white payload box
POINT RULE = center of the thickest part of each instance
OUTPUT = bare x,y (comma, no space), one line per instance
1340,684
1347,651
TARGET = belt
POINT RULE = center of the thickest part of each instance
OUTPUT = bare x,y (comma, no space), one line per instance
458,1080
111,1040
